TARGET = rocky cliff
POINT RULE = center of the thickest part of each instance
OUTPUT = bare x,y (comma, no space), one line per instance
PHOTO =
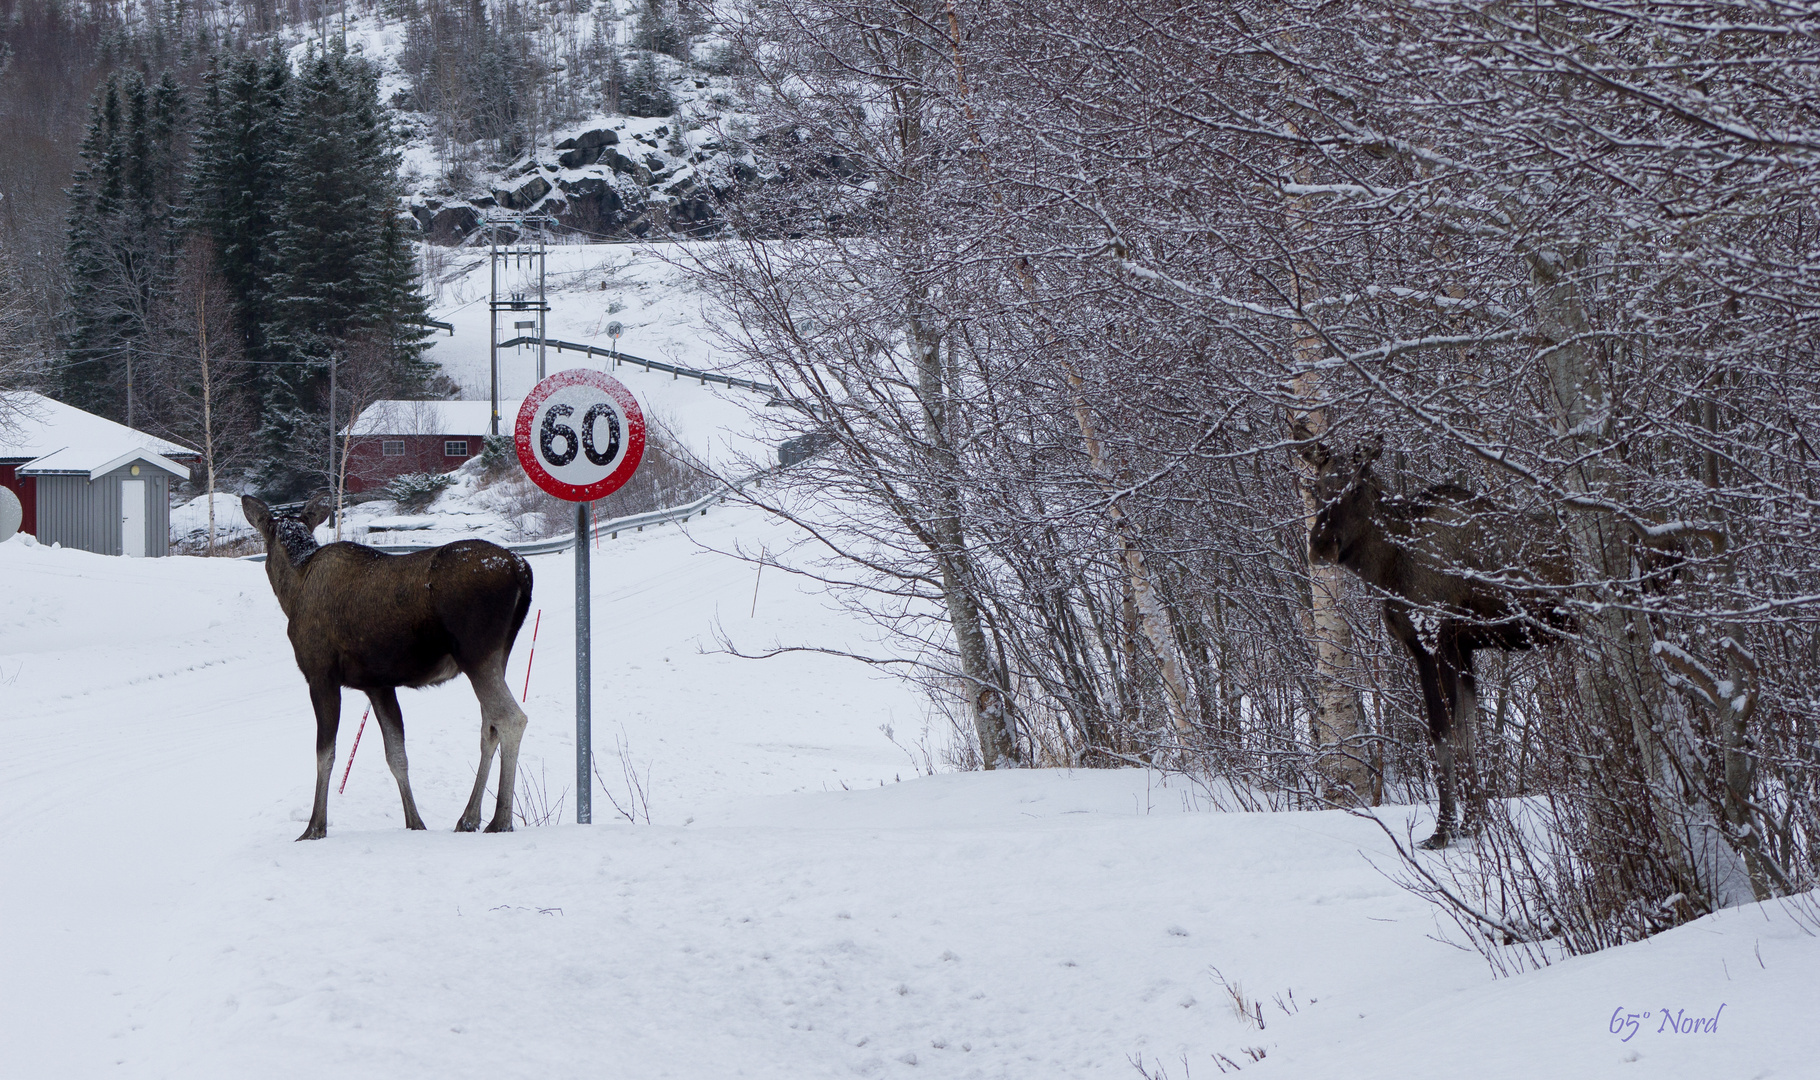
625,178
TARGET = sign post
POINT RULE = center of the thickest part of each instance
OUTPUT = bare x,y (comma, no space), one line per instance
580,437
584,671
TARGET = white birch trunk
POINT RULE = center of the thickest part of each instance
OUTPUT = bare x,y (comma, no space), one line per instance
1338,718
1616,671
1153,619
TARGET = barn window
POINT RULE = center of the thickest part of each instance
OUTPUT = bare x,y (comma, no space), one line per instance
392,447
455,448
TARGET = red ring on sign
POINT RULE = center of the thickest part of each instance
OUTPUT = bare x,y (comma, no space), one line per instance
527,422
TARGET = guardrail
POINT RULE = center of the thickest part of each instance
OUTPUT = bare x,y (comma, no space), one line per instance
704,377
613,527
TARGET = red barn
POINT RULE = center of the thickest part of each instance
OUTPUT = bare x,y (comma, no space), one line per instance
391,438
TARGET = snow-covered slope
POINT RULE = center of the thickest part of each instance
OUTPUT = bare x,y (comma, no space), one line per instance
802,904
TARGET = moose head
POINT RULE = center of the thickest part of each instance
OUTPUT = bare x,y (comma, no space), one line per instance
1348,496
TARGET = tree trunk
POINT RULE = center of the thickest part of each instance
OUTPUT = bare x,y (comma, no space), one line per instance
208,425
987,697
1616,670
1339,719
1153,618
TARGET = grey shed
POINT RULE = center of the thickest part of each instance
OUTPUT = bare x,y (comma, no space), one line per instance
99,486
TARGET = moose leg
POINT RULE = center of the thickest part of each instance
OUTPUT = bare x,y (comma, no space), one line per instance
502,714
326,698
1456,667
391,725
502,726
1461,706
1440,722
489,741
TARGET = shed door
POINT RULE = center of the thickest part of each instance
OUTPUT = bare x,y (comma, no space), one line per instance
132,518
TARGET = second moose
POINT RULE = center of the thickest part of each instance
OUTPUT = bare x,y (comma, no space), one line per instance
1456,573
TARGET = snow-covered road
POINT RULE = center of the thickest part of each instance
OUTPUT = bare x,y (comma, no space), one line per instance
794,910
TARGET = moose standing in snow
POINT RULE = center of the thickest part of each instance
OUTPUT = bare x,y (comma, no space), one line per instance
1457,574
373,622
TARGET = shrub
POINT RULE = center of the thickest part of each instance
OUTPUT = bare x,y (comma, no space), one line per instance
415,491
497,453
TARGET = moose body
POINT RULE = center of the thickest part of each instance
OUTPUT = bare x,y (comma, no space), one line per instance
373,622
1457,574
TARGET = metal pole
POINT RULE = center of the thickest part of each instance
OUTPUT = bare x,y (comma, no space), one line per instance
543,324
584,716
332,492
493,323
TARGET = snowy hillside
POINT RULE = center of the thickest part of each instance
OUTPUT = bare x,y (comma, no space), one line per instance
801,904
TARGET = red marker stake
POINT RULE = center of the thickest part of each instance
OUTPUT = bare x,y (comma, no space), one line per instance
526,696
342,790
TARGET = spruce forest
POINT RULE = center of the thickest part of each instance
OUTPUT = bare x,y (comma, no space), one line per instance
1093,311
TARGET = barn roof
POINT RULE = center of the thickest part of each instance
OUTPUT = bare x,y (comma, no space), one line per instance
53,437
393,417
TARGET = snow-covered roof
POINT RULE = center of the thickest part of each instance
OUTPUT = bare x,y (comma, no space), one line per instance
393,417
57,438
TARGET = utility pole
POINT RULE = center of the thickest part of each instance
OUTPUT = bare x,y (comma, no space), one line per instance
334,488
515,256
543,309
493,334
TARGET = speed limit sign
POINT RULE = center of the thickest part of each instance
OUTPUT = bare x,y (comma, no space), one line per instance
580,435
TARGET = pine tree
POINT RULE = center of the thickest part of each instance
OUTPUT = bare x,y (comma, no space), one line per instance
87,377
122,242
234,187
343,276
644,92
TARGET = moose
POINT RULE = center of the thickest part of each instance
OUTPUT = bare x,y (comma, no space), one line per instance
1457,574
373,622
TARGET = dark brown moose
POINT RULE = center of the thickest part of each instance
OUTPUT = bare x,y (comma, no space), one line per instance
1457,574
373,622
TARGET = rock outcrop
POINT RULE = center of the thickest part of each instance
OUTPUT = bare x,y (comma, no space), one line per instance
625,182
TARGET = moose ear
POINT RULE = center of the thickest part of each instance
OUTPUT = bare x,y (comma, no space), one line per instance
258,515
1368,450
316,512
1313,451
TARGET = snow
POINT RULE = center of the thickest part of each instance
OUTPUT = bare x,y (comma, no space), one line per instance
395,417
63,438
802,904
190,520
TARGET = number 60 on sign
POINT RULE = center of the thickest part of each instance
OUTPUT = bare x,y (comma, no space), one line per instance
580,435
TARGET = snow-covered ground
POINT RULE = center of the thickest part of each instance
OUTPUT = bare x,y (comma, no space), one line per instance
801,904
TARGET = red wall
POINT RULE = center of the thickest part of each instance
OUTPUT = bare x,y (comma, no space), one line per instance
27,489
369,468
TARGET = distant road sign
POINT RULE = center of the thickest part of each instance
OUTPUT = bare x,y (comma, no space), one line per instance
580,435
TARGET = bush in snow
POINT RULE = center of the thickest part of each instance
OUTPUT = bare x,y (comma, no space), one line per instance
415,491
497,454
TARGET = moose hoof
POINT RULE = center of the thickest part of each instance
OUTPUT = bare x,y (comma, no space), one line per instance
314,832
499,826
1439,840
464,825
